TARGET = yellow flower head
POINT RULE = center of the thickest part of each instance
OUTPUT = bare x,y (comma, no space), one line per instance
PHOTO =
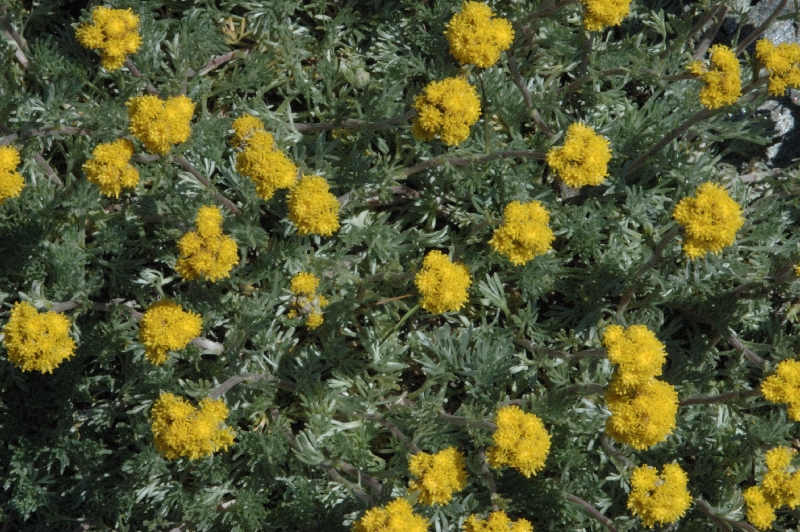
207,252
475,37
11,182
110,167
37,342
180,429
637,353
524,233
783,386
521,441
597,14
306,301
496,522
112,31
442,284
160,124
723,83
446,108
711,219
783,64
439,475
267,167
643,416
658,498
781,486
760,513
583,159
396,516
312,208
165,327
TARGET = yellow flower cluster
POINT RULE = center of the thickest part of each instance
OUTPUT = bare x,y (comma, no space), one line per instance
446,108
711,219
312,207
442,284
206,252
475,37
37,342
165,327
267,167
597,14
11,182
642,416
396,516
779,487
439,474
110,168
180,429
583,159
658,498
637,353
783,386
113,32
160,124
783,64
496,522
524,233
521,441
306,301
723,83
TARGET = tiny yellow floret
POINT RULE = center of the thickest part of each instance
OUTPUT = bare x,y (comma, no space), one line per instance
11,182
711,219
37,342
160,124
165,327
260,159
112,31
723,81
642,416
305,301
760,513
207,252
243,128
396,516
783,64
181,430
496,522
637,353
442,284
658,498
525,232
439,475
475,37
312,207
521,441
583,159
598,14
110,168
446,109
783,386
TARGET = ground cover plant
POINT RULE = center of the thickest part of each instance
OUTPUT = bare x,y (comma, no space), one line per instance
396,265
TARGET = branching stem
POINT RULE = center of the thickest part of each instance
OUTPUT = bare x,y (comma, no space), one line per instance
721,398
134,70
200,177
658,252
396,432
461,421
592,511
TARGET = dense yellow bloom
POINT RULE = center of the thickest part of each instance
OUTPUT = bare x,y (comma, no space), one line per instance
160,124
637,353
306,301
439,474
496,522
165,327
783,64
780,486
267,167
446,108
583,159
723,81
442,284
112,31
312,207
11,182
521,441
524,233
642,416
110,168
475,37
396,516
180,429
658,498
207,252
797,270
711,219
597,14
37,342
783,386
760,513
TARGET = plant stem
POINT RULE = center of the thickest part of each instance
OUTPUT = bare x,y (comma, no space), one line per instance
722,522
756,33
220,390
591,510
575,357
356,124
614,452
217,62
466,161
200,177
489,478
721,398
526,95
658,251
410,445
461,421
749,355
702,48
588,388
48,169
